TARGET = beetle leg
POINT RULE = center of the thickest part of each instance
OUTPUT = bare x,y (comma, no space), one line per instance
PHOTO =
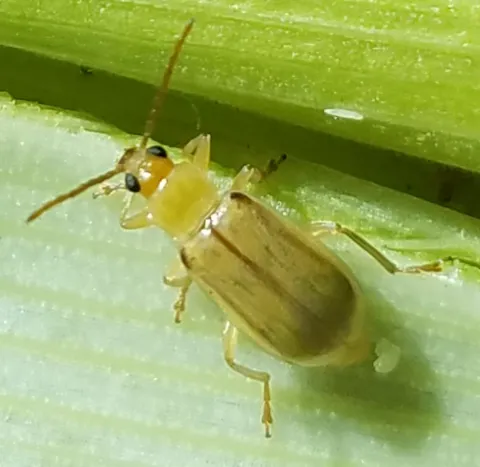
272,165
198,149
246,175
249,174
320,227
177,276
176,273
106,189
230,336
139,220
179,305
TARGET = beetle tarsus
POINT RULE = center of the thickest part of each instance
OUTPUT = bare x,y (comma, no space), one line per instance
272,166
267,419
322,227
434,266
179,305
107,189
179,308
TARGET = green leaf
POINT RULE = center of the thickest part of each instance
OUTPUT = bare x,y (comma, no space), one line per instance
95,372
409,68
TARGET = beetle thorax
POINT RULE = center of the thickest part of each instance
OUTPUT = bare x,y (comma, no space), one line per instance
183,201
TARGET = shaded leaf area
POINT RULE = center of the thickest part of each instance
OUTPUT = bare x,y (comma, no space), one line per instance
408,68
124,102
94,371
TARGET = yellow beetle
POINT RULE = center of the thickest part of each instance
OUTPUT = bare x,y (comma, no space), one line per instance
275,282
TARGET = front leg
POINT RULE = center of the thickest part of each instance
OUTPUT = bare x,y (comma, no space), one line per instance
177,276
140,220
198,150
106,189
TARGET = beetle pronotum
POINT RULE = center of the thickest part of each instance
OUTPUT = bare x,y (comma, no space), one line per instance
290,293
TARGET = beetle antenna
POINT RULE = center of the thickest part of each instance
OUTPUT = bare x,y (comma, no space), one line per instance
75,192
149,126
162,90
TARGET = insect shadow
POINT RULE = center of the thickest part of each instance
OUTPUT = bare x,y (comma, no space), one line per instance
401,408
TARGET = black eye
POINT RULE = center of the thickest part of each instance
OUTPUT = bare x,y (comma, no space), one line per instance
157,151
132,183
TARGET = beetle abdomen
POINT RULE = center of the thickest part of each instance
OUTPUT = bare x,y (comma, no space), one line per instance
274,283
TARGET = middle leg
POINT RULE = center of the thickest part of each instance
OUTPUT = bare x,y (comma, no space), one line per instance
249,174
177,276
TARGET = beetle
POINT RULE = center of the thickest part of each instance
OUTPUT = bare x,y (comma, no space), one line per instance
275,281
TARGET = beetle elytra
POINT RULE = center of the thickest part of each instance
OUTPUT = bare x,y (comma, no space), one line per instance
275,282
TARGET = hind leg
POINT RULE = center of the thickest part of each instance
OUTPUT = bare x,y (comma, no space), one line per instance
320,227
229,345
